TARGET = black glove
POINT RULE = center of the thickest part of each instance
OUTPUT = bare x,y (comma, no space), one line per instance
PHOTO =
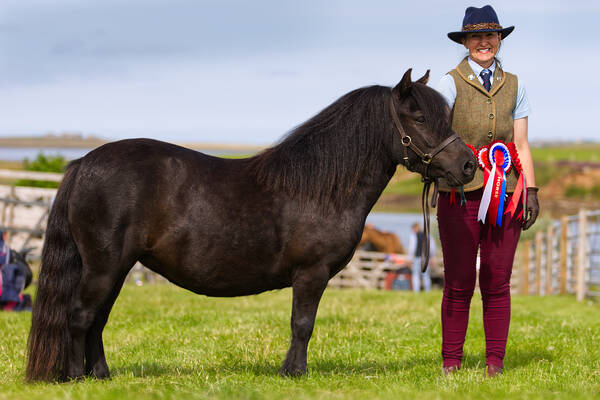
533,208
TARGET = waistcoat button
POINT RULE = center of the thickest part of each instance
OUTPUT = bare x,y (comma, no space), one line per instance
491,116
490,134
489,101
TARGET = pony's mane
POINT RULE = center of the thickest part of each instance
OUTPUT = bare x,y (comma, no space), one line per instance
323,158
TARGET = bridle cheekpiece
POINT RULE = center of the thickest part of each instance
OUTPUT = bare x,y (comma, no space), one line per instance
426,159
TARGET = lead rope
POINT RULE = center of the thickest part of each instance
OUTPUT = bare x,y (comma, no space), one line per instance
426,226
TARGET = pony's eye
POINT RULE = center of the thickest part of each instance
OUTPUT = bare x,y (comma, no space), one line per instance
421,119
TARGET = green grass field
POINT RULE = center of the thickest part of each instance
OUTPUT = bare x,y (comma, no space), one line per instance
582,153
163,342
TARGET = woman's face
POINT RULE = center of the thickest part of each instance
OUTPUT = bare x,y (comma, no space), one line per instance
482,47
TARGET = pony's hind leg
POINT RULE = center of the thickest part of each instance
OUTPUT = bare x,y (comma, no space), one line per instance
95,360
308,287
89,305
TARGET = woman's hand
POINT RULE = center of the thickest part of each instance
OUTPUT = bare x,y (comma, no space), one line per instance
532,208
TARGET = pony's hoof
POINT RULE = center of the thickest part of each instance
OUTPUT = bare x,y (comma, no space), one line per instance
73,378
99,374
291,371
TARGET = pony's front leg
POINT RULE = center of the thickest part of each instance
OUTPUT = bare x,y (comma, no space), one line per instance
308,286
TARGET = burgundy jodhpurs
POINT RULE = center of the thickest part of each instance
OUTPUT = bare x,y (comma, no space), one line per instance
461,236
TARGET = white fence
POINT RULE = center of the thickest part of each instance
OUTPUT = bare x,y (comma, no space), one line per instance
24,214
368,270
24,210
371,270
563,259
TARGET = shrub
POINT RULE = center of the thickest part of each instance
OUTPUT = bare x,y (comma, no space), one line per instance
574,191
43,163
595,192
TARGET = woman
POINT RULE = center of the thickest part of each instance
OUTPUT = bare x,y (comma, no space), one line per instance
489,111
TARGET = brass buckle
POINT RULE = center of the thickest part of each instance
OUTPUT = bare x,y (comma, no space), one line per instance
427,158
406,141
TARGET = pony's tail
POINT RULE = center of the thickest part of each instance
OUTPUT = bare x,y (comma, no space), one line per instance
49,338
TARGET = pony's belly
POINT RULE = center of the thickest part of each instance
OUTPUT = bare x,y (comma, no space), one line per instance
221,281
236,291
231,288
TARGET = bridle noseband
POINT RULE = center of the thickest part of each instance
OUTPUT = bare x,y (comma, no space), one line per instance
426,159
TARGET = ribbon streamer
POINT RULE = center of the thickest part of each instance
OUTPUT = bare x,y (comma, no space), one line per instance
487,195
492,202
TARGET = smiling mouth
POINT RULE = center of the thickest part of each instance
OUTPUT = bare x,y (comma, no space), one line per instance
484,51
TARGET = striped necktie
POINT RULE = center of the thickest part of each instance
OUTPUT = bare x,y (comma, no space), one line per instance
485,75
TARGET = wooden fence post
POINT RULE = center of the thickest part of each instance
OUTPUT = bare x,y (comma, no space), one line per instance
581,261
549,258
11,215
3,213
538,263
525,273
564,227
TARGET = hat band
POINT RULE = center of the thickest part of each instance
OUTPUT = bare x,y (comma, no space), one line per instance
478,27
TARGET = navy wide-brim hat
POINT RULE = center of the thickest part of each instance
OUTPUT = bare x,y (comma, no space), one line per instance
482,19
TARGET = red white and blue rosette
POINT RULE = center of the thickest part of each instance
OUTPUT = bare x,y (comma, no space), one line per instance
496,162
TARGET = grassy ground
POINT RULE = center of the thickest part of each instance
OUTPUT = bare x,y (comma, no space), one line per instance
163,342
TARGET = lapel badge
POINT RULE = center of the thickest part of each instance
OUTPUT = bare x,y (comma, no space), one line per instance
471,77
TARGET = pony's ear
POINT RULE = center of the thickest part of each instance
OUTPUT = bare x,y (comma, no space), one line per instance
424,79
403,87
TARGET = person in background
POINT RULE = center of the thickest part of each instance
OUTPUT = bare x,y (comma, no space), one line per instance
416,242
4,251
489,110
13,279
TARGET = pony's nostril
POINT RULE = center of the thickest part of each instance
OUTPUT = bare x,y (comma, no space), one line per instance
469,167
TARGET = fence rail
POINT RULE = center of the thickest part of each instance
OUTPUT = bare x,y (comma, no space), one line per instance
23,216
370,269
367,269
32,175
563,259
24,210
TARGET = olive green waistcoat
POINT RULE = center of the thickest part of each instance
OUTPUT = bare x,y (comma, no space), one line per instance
480,117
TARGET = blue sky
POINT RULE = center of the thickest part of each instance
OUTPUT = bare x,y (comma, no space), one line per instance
247,72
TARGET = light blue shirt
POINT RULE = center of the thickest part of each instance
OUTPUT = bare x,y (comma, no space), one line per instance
447,87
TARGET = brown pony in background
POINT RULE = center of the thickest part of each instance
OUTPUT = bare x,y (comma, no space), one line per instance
385,242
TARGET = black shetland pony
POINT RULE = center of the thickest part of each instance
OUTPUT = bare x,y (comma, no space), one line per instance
290,216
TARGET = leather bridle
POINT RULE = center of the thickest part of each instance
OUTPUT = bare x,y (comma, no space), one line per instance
426,159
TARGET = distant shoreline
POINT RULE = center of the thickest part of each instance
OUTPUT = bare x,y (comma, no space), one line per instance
93,142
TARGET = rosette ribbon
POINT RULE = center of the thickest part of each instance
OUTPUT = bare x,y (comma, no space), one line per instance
521,188
492,201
